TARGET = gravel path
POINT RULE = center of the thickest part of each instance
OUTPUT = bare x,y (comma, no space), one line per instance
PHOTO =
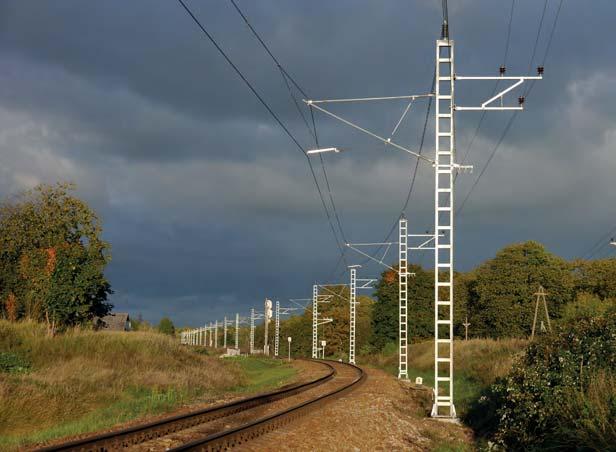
381,415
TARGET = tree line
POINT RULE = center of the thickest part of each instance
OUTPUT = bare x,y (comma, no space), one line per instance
497,298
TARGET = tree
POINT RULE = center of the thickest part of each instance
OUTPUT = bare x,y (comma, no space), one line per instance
596,277
52,258
166,326
385,311
501,300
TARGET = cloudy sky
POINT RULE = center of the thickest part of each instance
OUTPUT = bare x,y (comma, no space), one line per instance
210,207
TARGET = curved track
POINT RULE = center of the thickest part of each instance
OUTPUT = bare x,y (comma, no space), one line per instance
348,378
319,390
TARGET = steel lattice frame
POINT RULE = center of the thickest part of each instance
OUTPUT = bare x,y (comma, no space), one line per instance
237,331
403,300
224,340
352,307
252,330
216,334
443,229
277,329
315,318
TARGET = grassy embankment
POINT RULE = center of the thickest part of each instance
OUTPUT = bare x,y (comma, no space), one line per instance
477,363
84,381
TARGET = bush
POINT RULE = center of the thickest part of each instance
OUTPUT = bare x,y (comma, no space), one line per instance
587,305
166,326
13,363
525,409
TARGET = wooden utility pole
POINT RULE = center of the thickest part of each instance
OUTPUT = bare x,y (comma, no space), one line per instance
540,298
466,325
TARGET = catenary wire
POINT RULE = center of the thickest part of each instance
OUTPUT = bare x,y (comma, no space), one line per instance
270,111
313,131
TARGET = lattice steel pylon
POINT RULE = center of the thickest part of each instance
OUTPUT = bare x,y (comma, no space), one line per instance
403,300
277,329
353,308
443,229
237,331
216,334
224,340
252,330
315,320
445,165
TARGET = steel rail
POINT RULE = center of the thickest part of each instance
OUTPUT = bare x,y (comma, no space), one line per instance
239,435
137,434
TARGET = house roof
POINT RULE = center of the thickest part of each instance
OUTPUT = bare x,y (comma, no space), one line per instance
115,321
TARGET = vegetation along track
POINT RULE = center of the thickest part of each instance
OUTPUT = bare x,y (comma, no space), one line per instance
339,379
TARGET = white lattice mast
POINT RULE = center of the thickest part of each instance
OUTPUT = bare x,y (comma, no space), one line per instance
444,228
403,299
252,330
224,333
352,315
216,334
277,329
315,320
237,331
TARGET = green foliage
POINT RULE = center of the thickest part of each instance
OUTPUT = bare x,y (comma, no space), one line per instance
420,290
52,258
385,311
166,326
525,409
11,362
596,277
501,290
587,305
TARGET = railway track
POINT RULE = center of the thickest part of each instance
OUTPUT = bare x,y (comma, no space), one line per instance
225,426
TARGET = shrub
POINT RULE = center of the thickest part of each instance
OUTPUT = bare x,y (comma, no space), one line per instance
13,363
524,410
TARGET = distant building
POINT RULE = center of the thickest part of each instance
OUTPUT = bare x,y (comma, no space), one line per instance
116,321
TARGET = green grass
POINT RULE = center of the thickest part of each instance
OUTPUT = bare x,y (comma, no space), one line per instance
137,403
263,374
478,363
84,381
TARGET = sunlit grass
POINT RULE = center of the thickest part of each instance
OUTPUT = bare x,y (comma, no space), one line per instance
477,363
84,381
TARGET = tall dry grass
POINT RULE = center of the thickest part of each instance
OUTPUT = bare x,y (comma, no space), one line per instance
77,374
482,360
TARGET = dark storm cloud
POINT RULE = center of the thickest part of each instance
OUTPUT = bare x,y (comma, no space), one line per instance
208,205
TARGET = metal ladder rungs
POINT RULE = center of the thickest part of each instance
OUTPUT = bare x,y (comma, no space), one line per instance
443,360
443,341
443,322
440,265
444,190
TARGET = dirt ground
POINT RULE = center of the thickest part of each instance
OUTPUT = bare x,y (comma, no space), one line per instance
381,415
